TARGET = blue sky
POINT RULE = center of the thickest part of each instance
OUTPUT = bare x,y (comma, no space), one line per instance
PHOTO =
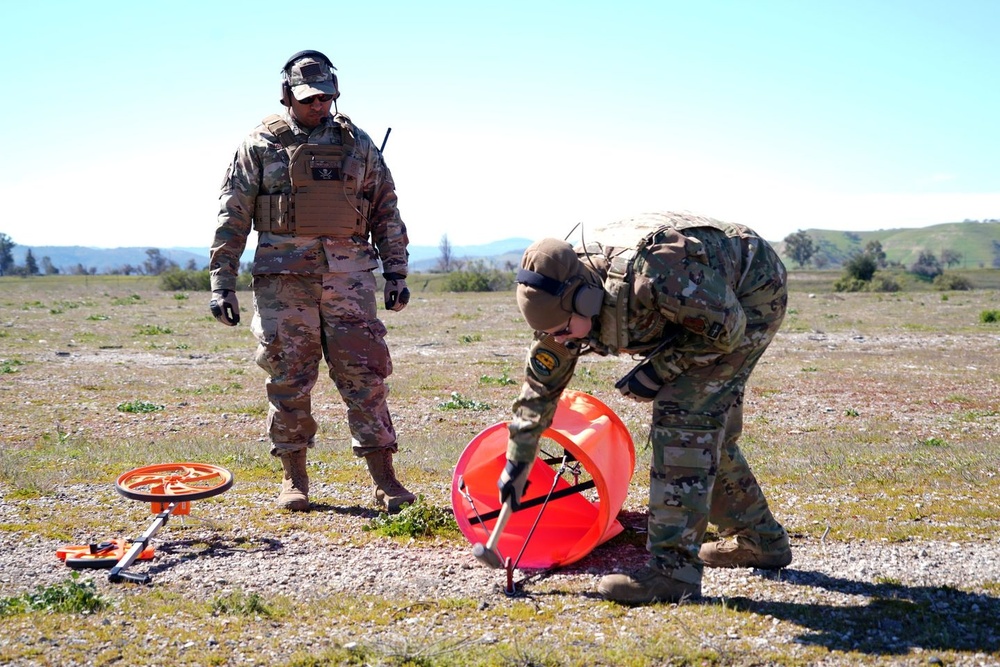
514,118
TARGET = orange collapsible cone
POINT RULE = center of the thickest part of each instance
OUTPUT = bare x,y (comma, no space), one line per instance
586,499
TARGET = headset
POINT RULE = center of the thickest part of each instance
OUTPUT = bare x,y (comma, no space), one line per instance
586,300
286,72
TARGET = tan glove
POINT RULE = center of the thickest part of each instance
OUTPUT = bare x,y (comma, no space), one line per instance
225,307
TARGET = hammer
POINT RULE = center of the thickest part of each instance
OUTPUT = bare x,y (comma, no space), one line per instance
487,553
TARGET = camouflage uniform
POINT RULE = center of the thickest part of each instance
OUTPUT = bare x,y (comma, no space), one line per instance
706,298
314,296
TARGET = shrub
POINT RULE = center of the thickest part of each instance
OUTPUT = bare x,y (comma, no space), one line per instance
880,283
479,278
849,284
181,279
989,316
949,281
884,284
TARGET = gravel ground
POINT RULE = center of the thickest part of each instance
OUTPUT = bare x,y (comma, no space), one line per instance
834,581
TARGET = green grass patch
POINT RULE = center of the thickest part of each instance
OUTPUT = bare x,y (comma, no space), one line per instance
457,402
129,300
418,519
72,596
10,365
503,380
153,330
139,406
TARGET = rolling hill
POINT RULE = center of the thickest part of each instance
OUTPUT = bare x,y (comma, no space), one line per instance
976,243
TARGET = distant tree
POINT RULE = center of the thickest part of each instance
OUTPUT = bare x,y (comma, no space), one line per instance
156,263
874,249
800,247
192,265
47,266
445,260
861,266
80,270
125,270
950,258
30,265
927,266
6,254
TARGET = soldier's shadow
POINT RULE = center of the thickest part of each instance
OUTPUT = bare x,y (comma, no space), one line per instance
895,620
883,619
348,510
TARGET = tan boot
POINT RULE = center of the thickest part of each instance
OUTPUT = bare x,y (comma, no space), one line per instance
645,585
389,493
295,486
747,549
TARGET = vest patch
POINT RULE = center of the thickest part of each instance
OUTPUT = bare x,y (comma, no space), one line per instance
325,170
694,324
544,362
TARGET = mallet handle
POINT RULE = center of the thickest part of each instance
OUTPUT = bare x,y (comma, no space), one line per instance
505,512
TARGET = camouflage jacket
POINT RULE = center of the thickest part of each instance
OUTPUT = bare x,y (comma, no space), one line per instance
260,166
692,286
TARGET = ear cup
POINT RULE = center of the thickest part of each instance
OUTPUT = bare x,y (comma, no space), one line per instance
588,300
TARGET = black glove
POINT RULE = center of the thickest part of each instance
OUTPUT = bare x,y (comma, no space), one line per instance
513,482
225,307
397,294
642,383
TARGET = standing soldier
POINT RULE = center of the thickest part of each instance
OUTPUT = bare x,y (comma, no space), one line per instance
316,189
700,300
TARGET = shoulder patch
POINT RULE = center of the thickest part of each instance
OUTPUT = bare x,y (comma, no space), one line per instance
544,362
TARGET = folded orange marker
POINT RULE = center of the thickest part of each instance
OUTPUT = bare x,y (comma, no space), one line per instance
99,555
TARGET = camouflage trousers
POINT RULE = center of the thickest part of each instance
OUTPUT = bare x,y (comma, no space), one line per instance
300,319
698,473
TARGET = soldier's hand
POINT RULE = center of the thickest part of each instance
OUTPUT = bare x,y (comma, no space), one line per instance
225,307
641,384
513,481
397,294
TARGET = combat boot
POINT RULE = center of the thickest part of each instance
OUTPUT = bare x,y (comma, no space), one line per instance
295,486
389,492
747,549
647,584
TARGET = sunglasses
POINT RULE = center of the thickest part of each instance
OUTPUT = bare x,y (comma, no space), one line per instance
312,98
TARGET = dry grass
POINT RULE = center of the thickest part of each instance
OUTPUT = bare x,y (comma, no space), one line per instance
872,416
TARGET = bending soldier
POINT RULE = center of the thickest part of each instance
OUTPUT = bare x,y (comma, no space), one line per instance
700,300
316,189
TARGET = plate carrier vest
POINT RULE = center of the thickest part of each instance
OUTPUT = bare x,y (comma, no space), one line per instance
326,178
615,332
